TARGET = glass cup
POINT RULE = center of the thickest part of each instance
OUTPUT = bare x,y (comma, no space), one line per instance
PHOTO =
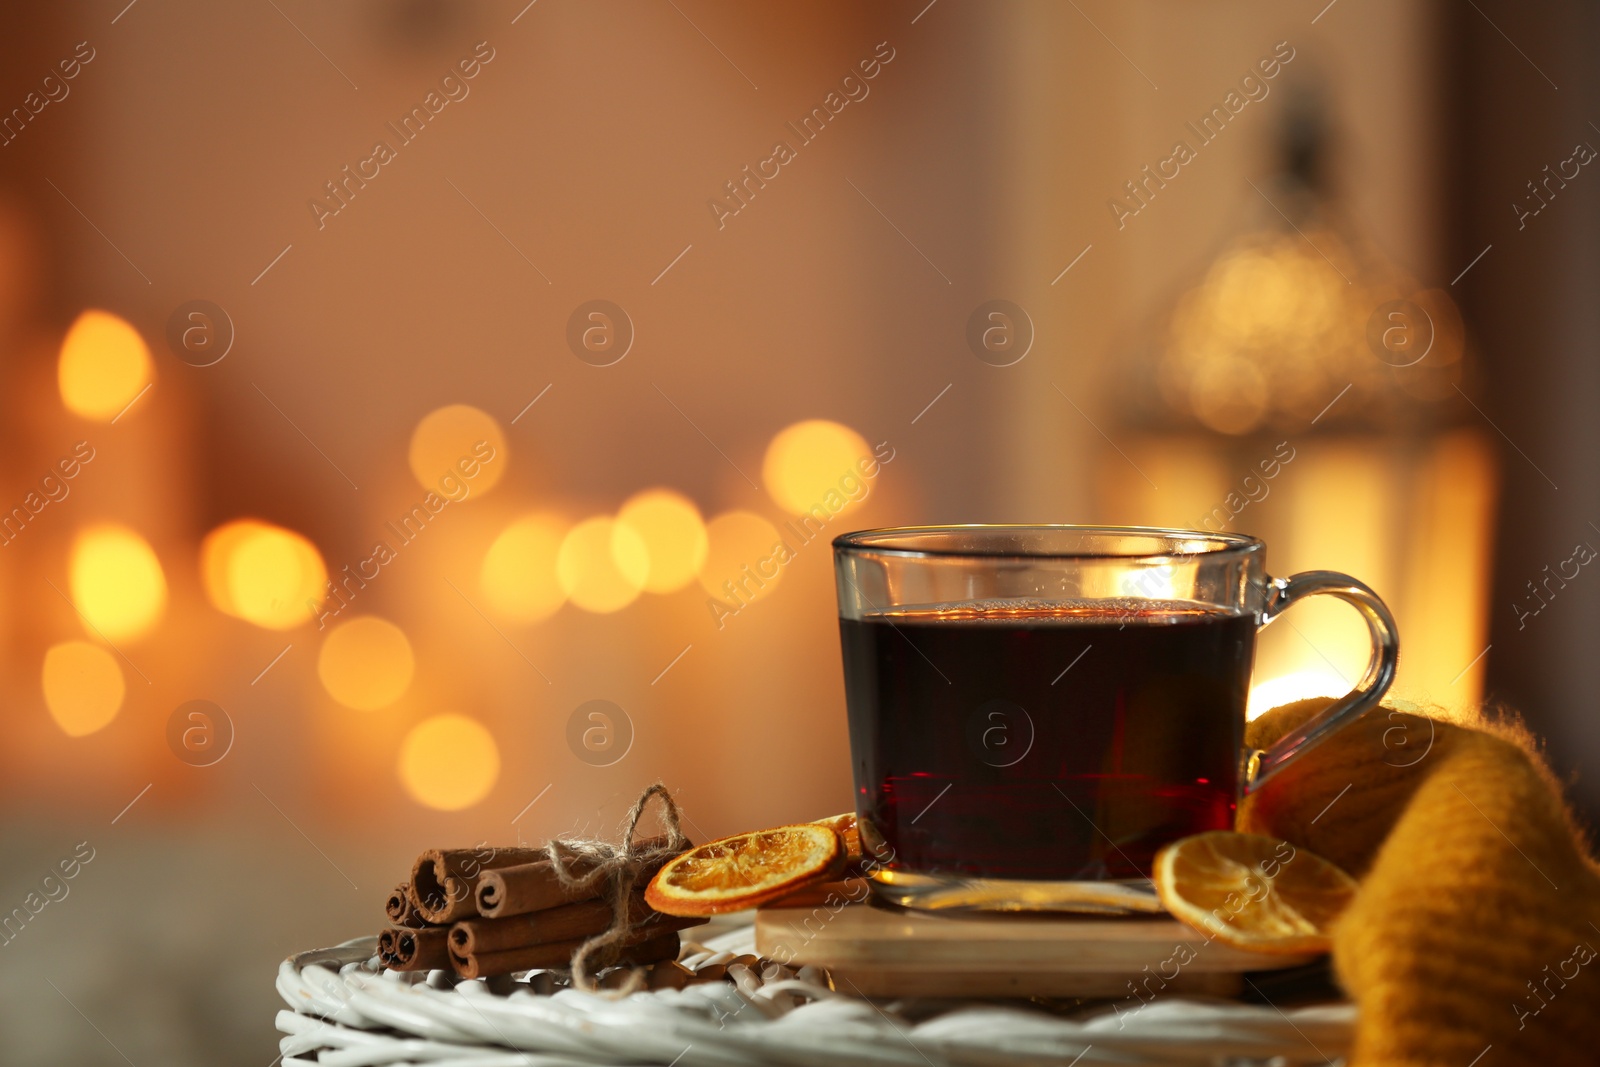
1053,704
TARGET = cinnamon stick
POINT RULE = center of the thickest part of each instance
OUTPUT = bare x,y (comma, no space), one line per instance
386,947
525,888
567,922
444,881
406,949
558,954
400,910
531,887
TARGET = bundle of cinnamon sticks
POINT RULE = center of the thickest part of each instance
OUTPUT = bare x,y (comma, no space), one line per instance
490,911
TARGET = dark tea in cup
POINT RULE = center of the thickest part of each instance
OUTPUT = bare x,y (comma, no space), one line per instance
1056,703
1066,741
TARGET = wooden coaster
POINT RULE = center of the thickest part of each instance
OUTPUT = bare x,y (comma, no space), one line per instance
882,952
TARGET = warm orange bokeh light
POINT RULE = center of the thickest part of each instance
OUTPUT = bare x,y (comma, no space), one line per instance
518,577
116,581
602,565
744,558
813,463
1276,692
458,451
366,663
104,365
263,574
83,687
449,762
674,535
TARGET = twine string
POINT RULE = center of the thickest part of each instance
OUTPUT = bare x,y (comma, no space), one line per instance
582,865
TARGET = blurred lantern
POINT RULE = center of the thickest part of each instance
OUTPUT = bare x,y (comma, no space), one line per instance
449,762
104,366
365,663
116,581
263,574
1303,368
673,533
815,463
518,577
83,686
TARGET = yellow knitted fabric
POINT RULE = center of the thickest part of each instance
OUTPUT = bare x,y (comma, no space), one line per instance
1477,923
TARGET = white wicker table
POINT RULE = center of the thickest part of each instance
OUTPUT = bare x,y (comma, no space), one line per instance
345,1011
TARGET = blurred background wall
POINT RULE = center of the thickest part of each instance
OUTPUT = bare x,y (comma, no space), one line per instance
1168,324
1521,108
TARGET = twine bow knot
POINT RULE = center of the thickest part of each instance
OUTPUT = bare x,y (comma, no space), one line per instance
582,865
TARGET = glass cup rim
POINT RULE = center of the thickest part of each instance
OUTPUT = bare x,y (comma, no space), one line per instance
883,540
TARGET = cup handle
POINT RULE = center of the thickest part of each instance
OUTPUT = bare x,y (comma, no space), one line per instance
1281,593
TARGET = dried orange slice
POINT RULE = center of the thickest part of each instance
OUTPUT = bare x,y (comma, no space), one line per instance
1253,892
746,870
849,833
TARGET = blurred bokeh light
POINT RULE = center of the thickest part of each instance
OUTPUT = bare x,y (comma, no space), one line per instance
365,663
104,366
673,533
744,558
458,450
518,577
263,574
83,686
1288,688
449,762
602,565
117,581
813,464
